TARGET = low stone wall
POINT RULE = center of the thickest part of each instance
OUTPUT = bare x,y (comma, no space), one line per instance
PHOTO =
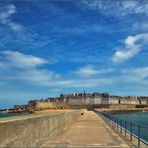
121,111
48,105
35,130
121,106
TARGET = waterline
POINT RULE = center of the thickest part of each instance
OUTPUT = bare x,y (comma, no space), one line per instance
4,115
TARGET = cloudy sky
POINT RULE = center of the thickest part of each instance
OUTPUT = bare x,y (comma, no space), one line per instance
53,47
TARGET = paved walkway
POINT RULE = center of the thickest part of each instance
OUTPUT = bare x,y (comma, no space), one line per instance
89,131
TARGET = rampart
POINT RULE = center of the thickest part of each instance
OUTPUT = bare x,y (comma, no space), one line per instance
34,130
121,111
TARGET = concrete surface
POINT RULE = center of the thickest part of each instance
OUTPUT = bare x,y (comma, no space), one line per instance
34,130
89,131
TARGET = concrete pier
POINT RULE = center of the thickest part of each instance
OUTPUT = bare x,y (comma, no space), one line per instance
89,131
34,130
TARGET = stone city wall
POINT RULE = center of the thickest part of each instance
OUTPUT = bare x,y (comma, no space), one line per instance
49,105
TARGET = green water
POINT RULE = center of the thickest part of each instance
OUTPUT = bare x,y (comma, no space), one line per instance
4,115
137,118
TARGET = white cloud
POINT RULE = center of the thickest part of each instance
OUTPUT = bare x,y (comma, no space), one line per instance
5,18
83,83
140,26
39,77
23,61
118,7
26,67
133,45
138,75
88,71
124,77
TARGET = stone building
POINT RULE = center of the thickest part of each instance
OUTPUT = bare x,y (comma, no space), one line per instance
143,100
123,100
113,100
87,99
105,98
133,100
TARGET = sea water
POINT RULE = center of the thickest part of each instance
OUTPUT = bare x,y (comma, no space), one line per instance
137,118
4,115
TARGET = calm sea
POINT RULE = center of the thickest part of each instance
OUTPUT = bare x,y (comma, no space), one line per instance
3,115
140,118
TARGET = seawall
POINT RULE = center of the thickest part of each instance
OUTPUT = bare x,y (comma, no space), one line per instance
33,131
121,111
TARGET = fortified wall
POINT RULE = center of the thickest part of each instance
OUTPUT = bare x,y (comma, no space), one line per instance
37,105
114,103
86,100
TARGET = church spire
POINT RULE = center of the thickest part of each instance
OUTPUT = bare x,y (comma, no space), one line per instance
84,93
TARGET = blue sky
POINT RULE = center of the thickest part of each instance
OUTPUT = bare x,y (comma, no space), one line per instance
53,47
